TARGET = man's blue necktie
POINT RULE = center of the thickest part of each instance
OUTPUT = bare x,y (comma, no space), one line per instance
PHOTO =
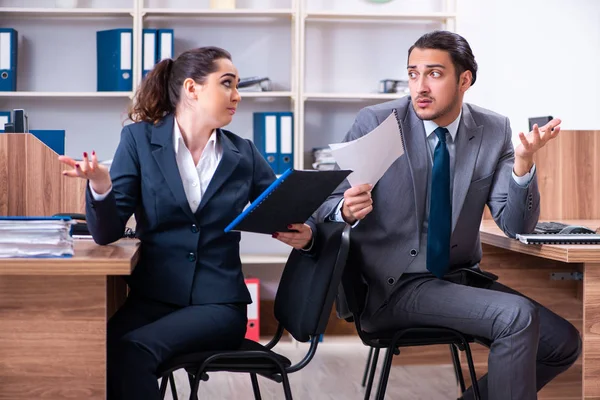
440,209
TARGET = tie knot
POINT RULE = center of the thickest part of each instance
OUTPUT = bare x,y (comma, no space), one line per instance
441,133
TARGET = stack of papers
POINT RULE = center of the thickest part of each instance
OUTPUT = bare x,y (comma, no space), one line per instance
324,160
35,237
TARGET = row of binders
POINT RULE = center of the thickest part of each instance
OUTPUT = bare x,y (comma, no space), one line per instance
157,44
115,56
274,137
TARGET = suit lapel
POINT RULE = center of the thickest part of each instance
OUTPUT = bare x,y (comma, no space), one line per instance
229,161
164,155
468,142
416,150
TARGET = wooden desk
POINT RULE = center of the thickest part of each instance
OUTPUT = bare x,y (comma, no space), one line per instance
528,269
53,315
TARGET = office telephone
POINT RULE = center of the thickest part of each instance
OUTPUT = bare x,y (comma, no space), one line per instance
540,121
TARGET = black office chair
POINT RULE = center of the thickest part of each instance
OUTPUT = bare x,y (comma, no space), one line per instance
303,303
351,296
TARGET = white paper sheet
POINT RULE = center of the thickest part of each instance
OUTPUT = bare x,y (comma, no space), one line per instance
372,154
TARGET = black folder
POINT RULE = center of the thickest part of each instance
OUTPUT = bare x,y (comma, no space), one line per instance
291,199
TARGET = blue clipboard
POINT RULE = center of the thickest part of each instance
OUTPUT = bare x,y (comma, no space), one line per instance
291,199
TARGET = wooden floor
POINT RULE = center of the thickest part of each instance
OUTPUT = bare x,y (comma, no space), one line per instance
334,373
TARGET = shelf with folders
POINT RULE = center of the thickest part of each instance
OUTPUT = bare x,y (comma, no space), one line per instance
260,47
49,62
307,69
259,44
56,82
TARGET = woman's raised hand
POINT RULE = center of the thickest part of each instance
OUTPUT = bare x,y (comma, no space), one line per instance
97,174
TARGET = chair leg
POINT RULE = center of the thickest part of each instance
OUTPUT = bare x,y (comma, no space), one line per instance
460,380
255,387
173,387
287,390
194,385
385,374
372,374
163,386
367,366
472,373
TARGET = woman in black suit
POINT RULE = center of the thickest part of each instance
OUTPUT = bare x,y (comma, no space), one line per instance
185,179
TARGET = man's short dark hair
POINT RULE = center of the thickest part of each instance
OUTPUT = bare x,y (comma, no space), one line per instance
457,46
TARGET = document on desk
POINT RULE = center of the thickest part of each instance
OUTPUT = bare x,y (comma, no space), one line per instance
35,237
372,154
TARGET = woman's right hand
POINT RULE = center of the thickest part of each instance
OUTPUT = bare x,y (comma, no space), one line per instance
97,174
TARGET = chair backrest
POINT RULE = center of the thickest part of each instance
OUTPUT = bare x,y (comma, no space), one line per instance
310,281
352,294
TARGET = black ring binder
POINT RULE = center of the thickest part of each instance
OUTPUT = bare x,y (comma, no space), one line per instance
291,199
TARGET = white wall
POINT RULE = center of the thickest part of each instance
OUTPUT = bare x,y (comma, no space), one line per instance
536,57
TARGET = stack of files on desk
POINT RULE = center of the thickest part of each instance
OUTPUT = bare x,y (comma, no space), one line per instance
324,160
114,51
8,60
157,44
35,237
274,138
